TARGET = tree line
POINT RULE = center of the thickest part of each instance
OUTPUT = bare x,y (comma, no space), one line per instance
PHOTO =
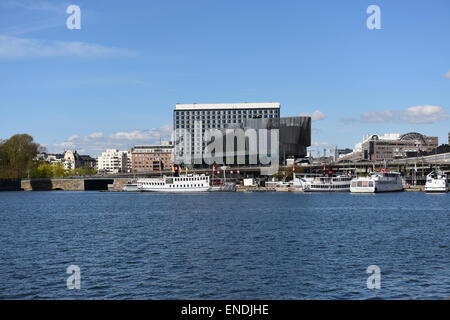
18,160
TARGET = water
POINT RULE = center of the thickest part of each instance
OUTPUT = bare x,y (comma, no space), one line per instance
224,245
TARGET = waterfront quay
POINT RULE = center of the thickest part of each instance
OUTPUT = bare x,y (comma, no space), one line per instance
414,172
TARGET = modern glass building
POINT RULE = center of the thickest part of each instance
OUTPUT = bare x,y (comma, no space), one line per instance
294,135
191,120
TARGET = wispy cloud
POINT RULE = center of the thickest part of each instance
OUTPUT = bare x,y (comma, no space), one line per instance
35,5
32,27
14,47
378,116
34,15
321,144
101,81
97,142
447,75
317,115
413,115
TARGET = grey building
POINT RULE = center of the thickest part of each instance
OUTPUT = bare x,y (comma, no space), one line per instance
191,120
294,134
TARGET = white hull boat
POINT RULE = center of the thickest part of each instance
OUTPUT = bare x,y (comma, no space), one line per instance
377,182
436,182
338,183
181,184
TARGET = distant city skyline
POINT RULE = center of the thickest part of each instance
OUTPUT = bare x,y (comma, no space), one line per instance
114,83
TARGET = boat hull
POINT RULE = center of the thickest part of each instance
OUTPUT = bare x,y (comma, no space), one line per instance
180,190
377,182
178,184
325,184
326,190
436,182
436,189
129,188
376,189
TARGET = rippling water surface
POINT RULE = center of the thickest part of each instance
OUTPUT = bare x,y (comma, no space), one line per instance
224,245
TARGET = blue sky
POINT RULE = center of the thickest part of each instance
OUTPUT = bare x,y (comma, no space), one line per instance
115,82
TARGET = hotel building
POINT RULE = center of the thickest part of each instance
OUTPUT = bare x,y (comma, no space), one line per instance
191,120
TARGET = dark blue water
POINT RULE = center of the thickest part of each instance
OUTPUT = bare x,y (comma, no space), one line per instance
224,245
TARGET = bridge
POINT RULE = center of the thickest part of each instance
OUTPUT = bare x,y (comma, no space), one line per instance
68,184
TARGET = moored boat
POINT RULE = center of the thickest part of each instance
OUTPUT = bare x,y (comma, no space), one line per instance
130,187
185,183
324,183
377,182
436,182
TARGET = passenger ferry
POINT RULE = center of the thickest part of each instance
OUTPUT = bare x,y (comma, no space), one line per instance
186,183
436,182
378,182
321,183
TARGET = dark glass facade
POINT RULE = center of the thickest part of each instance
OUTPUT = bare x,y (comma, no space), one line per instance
294,134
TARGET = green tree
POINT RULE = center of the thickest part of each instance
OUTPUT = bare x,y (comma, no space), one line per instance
47,170
58,170
84,171
42,170
16,156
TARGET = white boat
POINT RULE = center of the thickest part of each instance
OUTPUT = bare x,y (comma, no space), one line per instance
130,187
436,182
377,182
186,183
337,183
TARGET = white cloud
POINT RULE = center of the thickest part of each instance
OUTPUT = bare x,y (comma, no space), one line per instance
447,75
317,115
35,5
14,47
31,27
377,116
413,115
424,114
97,142
95,135
106,80
34,15
320,144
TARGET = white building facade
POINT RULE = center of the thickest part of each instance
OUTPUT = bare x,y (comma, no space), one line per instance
112,161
